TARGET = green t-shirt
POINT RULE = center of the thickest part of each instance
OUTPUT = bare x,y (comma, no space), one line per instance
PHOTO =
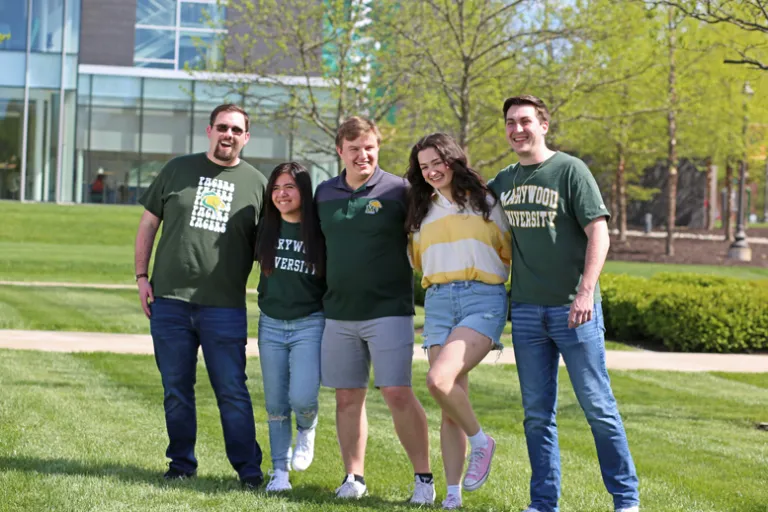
548,206
367,268
292,290
209,215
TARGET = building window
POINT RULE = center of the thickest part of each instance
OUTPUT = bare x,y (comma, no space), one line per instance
176,34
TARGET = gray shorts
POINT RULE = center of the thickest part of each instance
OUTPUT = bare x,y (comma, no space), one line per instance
349,348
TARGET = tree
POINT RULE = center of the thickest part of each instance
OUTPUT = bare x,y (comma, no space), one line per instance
465,58
747,15
304,66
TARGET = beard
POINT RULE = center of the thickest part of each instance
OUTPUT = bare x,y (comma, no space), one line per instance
225,154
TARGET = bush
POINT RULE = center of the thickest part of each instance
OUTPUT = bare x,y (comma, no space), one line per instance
687,312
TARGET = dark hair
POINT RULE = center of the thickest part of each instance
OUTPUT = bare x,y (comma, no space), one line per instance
354,127
542,112
467,186
269,226
230,107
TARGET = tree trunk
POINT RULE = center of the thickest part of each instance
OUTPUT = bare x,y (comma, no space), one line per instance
727,206
614,202
672,127
622,189
709,208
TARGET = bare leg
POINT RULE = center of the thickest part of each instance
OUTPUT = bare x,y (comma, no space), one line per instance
453,440
352,428
410,424
463,350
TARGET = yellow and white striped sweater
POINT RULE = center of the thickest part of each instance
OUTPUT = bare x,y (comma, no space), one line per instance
459,245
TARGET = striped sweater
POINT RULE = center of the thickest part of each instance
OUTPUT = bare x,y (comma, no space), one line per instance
459,245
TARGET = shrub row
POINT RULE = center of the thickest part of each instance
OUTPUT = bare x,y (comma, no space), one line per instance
683,312
687,312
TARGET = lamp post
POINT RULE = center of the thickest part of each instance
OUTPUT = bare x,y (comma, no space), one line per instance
739,249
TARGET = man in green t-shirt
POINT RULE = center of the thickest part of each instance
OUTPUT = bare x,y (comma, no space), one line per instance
208,204
560,242
369,306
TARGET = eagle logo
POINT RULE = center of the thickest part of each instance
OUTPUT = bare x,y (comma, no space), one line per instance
212,201
373,207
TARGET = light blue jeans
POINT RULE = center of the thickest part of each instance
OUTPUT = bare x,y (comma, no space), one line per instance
289,351
539,335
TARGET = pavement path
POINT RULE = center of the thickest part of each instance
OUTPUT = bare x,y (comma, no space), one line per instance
55,341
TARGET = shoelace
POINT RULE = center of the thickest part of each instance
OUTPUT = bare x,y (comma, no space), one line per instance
474,461
422,490
302,442
452,500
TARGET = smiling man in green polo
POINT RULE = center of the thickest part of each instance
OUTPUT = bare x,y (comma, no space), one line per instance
369,306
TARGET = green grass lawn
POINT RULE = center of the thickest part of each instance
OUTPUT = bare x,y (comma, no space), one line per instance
86,432
94,244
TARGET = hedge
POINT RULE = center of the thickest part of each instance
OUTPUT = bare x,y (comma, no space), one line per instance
683,312
687,312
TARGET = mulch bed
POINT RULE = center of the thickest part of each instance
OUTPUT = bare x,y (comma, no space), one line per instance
687,251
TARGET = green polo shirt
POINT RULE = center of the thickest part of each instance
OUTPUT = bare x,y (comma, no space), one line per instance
367,269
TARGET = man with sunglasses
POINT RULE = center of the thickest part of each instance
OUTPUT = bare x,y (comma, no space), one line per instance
209,205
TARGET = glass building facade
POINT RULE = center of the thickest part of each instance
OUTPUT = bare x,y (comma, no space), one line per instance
39,42
78,132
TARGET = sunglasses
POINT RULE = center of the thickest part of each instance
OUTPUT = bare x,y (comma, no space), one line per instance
224,128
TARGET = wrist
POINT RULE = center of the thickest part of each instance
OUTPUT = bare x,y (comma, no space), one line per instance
140,276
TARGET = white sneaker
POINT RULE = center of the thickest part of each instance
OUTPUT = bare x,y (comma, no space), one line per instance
351,488
278,481
305,450
423,493
636,508
452,502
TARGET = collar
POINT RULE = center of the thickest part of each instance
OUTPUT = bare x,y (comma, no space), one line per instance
441,200
378,174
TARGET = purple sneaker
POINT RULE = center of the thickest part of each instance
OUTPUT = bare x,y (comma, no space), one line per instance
479,466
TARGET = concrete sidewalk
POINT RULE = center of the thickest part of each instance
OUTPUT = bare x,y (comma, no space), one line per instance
616,360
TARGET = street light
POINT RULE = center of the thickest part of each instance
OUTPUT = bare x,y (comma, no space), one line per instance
739,249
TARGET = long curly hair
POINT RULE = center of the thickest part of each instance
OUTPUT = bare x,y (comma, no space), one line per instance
468,188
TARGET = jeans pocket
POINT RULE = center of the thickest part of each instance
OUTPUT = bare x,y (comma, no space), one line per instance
479,288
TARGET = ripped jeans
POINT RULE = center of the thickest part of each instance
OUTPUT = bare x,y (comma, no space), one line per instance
289,351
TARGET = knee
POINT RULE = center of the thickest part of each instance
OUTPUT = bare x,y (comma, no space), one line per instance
448,421
304,405
438,382
398,398
349,400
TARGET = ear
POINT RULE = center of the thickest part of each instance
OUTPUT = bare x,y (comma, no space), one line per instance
208,131
338,150
246,138
545,126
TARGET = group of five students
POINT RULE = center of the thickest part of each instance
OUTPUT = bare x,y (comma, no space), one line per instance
335,295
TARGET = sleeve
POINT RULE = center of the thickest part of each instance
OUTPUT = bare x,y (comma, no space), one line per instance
261,193
153,199
414,251
503,241
586,200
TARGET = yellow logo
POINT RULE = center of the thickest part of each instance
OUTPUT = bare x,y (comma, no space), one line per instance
212,201
373,207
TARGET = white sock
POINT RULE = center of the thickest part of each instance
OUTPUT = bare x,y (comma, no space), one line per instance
478,440
455,490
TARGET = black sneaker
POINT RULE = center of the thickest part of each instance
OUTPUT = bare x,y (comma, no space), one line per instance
251,483
177,474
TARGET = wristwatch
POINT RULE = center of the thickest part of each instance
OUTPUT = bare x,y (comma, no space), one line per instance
139,276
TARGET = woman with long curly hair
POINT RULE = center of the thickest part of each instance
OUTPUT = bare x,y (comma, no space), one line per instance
291,251
460,241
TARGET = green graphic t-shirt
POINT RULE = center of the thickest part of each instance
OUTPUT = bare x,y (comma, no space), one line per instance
548,206
209,215
292,290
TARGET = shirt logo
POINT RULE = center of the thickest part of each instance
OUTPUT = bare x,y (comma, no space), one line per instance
213,202
373,207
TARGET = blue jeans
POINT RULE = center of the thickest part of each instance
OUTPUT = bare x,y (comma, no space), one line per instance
290,365
178,329
539,335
